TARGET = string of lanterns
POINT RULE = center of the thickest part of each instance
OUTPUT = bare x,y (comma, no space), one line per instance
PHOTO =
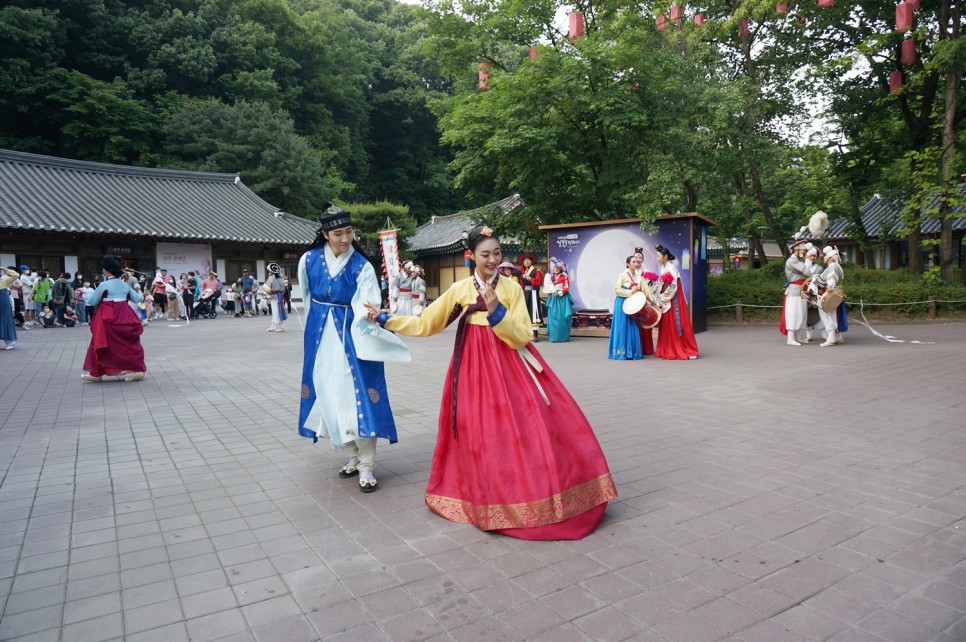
577,30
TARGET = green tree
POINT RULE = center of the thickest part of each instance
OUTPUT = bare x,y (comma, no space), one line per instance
30,49
854,49
100,121
261,144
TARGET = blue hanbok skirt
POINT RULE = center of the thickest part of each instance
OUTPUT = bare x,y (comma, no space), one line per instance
8,330
559,312
625,337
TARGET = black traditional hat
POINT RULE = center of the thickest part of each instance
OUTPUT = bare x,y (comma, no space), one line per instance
334,218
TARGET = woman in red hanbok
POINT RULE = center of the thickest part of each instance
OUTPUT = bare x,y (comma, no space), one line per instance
115,348
675,338
514,454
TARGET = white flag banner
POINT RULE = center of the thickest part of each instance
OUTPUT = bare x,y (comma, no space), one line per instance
389,243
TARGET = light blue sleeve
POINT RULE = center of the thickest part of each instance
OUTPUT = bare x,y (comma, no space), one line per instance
304,285
373,343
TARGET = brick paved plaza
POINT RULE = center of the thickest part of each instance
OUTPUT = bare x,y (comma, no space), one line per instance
766,493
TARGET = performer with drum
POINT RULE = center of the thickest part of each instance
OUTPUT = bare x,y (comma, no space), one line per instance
832,298
675,336
795,307
625,337
648,288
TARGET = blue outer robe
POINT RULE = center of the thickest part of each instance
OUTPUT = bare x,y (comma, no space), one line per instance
328,297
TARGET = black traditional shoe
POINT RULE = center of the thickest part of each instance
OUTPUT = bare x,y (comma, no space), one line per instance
367,484
349,471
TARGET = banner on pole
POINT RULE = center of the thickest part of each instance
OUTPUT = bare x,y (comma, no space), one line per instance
389,244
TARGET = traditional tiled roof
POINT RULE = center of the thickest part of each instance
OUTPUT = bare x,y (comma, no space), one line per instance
444,234
44,193
882,216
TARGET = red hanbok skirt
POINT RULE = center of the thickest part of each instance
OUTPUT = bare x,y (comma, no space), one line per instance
670,345
516,465
115,341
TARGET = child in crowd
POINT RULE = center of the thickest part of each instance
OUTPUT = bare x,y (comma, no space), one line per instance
84,311
262,306
47,317
70,317
230,303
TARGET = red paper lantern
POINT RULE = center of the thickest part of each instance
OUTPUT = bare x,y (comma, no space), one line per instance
895,81
534,54
676,13
781,8
661,22
914,4
908,50
903,17
743,28
699,19
825,4
576,26
483,74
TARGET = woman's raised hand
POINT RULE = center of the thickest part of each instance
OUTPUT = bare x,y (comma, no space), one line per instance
489,297
372,312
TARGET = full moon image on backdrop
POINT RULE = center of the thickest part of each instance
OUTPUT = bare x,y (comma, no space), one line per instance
601,261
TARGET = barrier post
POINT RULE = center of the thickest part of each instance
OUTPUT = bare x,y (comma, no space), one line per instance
739,317
932,307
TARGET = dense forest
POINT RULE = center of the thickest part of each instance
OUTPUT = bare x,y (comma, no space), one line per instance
754,113
309,100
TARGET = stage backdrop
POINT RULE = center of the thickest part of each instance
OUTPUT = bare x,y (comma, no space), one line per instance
595,255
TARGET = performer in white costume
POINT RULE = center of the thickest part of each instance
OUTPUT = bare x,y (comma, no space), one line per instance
795,307
833,276
404,289
275,287
813,321
419,290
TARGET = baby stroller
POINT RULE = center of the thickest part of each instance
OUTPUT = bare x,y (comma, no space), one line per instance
205,305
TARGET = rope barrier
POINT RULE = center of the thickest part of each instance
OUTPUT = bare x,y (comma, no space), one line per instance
850,303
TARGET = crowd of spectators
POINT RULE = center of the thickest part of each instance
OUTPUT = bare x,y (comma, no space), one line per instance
43,300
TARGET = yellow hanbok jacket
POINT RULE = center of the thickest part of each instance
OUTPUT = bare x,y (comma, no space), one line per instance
510,322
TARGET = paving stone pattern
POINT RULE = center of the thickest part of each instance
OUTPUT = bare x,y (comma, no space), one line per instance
766,493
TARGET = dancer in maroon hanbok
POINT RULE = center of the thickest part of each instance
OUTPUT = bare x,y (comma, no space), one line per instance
514,454
675,338
115,348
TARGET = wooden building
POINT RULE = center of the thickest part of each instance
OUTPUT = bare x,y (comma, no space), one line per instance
438,245
64,215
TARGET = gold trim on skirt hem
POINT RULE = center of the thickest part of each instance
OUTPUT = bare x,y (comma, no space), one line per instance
550,510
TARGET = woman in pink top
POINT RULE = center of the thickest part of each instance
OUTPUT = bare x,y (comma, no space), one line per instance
212,283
